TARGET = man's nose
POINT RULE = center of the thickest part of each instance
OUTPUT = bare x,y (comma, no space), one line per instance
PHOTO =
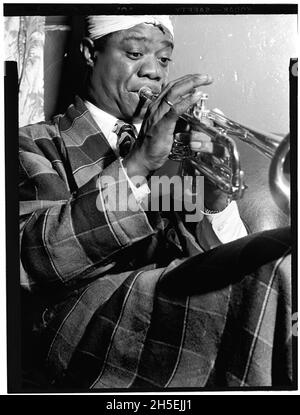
150,68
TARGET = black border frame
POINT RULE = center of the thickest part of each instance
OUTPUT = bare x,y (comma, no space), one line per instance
14,380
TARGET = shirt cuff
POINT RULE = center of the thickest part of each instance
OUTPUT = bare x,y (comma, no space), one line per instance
227,224
141,189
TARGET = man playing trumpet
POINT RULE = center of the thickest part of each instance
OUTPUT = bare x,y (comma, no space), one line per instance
133,299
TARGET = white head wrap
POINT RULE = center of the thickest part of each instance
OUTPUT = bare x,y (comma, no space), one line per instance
99,26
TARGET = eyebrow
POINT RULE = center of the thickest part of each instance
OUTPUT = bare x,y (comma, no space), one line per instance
167,43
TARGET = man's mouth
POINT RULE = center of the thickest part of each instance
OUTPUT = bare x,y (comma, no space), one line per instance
148,91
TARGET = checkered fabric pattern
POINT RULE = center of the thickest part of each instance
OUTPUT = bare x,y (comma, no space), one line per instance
121,299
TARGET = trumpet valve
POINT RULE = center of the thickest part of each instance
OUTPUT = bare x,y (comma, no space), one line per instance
200,111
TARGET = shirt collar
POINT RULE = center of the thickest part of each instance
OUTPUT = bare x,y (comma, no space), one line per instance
105,121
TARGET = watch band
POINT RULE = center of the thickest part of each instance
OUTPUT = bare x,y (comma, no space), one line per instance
207,211
212,212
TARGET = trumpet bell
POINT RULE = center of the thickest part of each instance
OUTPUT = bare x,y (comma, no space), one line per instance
279,175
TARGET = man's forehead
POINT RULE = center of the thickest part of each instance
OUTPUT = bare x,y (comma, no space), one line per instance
146,32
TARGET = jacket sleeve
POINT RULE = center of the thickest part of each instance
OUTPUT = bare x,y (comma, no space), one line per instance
66,236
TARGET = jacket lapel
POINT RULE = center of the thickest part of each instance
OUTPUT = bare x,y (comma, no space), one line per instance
88,150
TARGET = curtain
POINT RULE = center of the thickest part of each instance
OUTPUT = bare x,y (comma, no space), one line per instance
24,39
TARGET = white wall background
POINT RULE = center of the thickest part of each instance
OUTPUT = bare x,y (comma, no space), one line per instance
248,56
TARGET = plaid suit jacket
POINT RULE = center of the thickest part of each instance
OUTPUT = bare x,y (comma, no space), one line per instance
99,318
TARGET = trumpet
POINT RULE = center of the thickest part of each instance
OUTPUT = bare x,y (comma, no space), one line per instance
223,167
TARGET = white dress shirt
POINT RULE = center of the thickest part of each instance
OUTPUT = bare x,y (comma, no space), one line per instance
214,229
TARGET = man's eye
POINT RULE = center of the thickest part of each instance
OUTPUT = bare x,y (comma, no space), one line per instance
134,55
164,60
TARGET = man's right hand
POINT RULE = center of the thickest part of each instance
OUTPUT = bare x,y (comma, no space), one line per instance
156,136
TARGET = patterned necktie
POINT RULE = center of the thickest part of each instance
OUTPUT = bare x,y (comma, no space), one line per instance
126,137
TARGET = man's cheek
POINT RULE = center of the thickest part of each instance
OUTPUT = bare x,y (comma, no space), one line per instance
164,77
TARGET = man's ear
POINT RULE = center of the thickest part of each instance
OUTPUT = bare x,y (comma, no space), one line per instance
87,49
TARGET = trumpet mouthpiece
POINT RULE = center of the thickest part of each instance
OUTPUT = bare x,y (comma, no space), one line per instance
146,93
